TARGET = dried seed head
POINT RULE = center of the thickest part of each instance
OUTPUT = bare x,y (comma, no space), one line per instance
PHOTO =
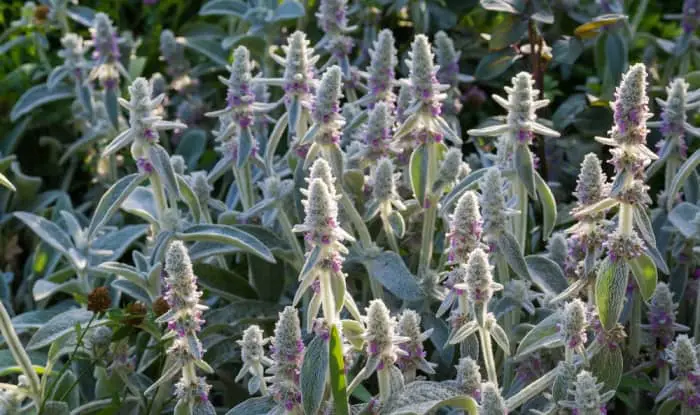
98,300
469,377
493,205
492,403
465,228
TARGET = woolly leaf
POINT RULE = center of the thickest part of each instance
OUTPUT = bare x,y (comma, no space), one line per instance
112,199
606,366
337,373
37,96
390,270
645,273
48,231
313,374
58,327
510,249
228,235
549,206
610,289
525,169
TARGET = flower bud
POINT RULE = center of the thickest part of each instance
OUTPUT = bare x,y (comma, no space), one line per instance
201,188
465,228
377,136
414,357
624,246
326,106
73,52
384,186
332,16
573,325
173,54
253,357
469,377
104,39
178,164
683,356
493,205
492,403
380,334
480,284
447,59
287,355
587,397
631,109
450,166
662,314
403,103
426,88
558,249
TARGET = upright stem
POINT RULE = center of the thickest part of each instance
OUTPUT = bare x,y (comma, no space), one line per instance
389,232
327,299
487,352
289,233
520,220
19,354
635,323
159,194
384,381
503,276
430,213
532,390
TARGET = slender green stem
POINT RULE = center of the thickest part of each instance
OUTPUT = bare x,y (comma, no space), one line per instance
384,381
430,213
327,298
502,272
159,194
664,375
532,390
389,232
520,220
19,354
487,353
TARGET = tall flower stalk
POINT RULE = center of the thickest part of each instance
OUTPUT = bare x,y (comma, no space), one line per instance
516,136
184,321
424,124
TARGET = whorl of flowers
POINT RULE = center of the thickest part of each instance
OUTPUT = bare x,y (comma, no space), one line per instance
624,246
521,122
381,69
380,335
299,69
240,95
184,320
414,357
519,291
253,358
144,124
105,40
629,132
662,315
173,54
573,325
493,204
465,228
377,135
469,377
426,89
492,403
479,280
587,399
326,108
287,356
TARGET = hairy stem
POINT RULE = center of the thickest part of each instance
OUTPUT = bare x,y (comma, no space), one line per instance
487,352
532,390
19,354
430,213
389,232
289,233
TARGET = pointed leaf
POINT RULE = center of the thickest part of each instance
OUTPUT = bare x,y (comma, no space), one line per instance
419,172
644,271
525,168
546,274
390,270
228,235
336,368
610,289
549,206
510,249
606,366
679,179
164,169
469,182
59,326
37,96
313,374
48,231
112,199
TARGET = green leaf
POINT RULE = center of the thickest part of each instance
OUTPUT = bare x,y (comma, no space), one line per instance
336,366
549,206
112,199
37,96
190,198
141,203
525,169
5,182
669,407
8,365
136,65
610,289
546,274
209,48
616,55
544,334
606,365
508,6
494,64
234,8
164,169
48,231
423,397
117,242
390,270
469,182
58,327
683,218
193,142
644,271
111,101
313,374
228,235
56,408
682,174
254,406
419,172
510,249
289,9
508,32
223,282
